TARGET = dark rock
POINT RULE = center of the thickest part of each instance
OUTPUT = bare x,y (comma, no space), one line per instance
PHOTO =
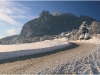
48,24
9,39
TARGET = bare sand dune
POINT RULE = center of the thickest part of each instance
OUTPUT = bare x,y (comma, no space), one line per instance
80,58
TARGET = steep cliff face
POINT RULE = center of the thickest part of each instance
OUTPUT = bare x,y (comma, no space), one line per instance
50,24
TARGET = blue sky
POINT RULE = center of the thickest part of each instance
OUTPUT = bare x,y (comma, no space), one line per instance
14,14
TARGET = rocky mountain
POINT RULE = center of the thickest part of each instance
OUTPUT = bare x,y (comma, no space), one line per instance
8,40
47,25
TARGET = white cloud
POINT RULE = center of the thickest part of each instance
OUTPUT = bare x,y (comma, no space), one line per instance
12,7
1,37
8,19
13,31
10,14
7,9
22,16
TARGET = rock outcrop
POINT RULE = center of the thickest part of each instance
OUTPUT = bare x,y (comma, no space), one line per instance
49,24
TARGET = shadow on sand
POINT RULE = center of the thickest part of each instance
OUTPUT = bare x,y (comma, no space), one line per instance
20,58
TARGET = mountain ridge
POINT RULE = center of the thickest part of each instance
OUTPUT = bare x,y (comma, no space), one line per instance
49,24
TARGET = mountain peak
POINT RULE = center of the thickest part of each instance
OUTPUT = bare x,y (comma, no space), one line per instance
44,12
55,13
50,24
